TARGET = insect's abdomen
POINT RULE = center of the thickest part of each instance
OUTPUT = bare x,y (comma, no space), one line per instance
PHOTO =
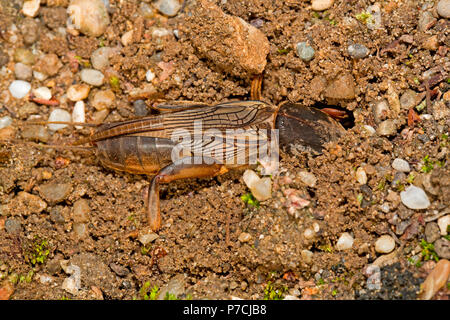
135,154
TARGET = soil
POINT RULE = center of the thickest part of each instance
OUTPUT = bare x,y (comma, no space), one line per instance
198,247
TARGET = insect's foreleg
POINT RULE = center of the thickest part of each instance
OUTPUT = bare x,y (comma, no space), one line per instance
181,169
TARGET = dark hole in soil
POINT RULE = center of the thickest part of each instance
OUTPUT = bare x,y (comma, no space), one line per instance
347,122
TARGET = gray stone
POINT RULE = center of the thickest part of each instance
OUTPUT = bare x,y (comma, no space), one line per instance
443,8
13,226
55,192
415,198
442,248
140,108
168,7
305,51
432,232
357,51
23,71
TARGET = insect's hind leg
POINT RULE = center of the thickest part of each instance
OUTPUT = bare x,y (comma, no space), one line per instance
185,168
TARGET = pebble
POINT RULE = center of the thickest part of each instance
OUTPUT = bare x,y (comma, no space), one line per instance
42,93
307,256
4,58
443,8
175,286
361,176
408,99
345,242
432,232
80,230
414,198
103,99
244,237
19,88
260,188
387,128
72,284
48,64
118,269
13,226
89,16
385,244
100,58
37,133
375,22
55,192
140,108
78,113
146,236
321,5
78,92
23,71
357,51
426,19
369,129
58,115
92,77
437,278
442,248
305,51
25,56
401,165
150,75
168,7
308,178
342,88
5,121
30,31
30,8
309,233
443,223
127,38
373,274
380,110
146,10
431,43
81,211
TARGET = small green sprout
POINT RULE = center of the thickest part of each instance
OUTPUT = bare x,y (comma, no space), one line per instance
364,17
410,178
146,295
416,80
249,199
272,293
284,51
334,292
114,82
360,198
427,164
421,105
38,252
170,296
428,252
320,282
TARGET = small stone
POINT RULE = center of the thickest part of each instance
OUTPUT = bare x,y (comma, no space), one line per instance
25,56
308,178
30,31
118,269
307,256
146,10
426,20
244,237
361,175
55,192
305,51
432,232
260,188
442,248
5,121
443,8
408,99
49,64
92,77
140,108
13,226
150,75
309,233
387,128
369,129
321,5
81,211
89,16
100,58
415,198
147,236
431,43
103,99
381,110
19,88
127,38
175,287
385,244
42,93
375,21
37,133
345,242
56,215
168,7
357,51
23,71
72,284
78,113
31,7
58,115
437,278
373,274
81,230
4,58
401,165
342,88
100,116
443,223
78,92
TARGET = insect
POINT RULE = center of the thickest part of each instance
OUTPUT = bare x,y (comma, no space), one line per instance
147,145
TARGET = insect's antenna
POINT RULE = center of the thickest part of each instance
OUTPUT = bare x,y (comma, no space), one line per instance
48,146
44,123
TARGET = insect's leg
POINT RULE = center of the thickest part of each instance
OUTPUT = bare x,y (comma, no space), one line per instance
177,106
255,89
182,169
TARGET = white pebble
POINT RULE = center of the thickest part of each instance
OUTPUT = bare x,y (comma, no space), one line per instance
160,32
58,115
443,223
385,244
443,8
127,38
370,130
39,75
260,188
100,57
78,113
89,16
5,121
361,176
401,165
345,242
250,178
42,93
168,7
92,77
308,233
31,7
320,5
78,92
19,88
150,75
414,198
308,178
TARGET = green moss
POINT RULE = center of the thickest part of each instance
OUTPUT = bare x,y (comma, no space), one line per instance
250,200
428,252
273,293
38,251
364,17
